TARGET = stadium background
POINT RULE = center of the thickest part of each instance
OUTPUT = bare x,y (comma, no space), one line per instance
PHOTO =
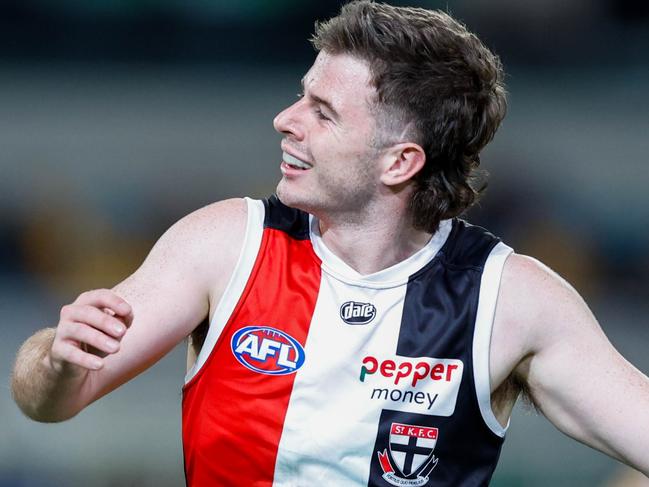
119,117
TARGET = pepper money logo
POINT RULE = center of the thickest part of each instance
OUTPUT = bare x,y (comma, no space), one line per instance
421,385
267,350
411,450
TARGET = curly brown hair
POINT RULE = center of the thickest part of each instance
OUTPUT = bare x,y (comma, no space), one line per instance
435,81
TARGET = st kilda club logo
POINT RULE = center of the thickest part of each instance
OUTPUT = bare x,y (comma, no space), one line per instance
410,459
355,313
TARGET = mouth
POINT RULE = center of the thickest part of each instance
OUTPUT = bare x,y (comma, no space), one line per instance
295,163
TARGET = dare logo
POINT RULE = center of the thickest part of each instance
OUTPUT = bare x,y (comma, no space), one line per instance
355,313
267,350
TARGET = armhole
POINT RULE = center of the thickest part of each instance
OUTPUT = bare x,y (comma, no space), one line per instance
237,283
489,286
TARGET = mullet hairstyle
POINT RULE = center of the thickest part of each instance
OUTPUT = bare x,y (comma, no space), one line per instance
436,83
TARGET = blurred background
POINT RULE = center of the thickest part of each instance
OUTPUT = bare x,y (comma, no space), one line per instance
119,117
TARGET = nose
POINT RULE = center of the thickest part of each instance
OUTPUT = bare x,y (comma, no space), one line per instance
288,121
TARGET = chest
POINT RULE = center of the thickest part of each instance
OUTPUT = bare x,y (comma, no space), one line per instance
336,381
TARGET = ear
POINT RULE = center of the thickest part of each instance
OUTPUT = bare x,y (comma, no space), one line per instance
402,162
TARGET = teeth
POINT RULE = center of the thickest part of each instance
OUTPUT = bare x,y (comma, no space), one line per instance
294,161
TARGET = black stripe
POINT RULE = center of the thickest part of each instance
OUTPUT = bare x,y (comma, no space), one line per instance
293,222
438,320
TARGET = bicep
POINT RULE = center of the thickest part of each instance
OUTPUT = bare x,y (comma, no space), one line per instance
573,373
166,308
170,293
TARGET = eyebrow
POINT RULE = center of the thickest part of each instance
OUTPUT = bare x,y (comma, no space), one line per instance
322,101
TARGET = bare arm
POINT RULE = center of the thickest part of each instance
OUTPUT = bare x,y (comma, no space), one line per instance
107,337
572,372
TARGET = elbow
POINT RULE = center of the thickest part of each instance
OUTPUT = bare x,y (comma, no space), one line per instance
42,411
44,414
40,394
39,406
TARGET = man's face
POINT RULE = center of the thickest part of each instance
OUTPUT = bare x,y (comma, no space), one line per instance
329,164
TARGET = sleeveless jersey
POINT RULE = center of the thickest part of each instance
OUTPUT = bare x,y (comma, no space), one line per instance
312,374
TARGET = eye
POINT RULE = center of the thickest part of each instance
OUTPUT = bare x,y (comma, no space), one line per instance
300,95
321,115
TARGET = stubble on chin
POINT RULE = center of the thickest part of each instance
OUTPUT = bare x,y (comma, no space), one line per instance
281,193
285,195
293,199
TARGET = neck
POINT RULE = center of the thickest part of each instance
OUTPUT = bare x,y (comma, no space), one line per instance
370,245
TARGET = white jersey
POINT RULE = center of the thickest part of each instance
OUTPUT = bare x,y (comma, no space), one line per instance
312,374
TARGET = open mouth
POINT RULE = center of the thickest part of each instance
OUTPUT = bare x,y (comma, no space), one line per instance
294,162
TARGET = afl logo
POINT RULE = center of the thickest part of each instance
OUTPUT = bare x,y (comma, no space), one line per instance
267,350
354,313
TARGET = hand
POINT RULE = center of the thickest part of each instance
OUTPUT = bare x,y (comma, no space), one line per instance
89,329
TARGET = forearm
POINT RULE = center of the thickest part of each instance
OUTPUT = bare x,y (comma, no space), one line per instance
41,392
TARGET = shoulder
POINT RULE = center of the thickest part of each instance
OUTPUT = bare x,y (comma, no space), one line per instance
213,218
537,308
205,242
528,282
530,289
224,221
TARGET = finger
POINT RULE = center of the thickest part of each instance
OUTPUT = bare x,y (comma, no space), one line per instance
95,318
105,298
70,354
127,319
81,333
93,351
